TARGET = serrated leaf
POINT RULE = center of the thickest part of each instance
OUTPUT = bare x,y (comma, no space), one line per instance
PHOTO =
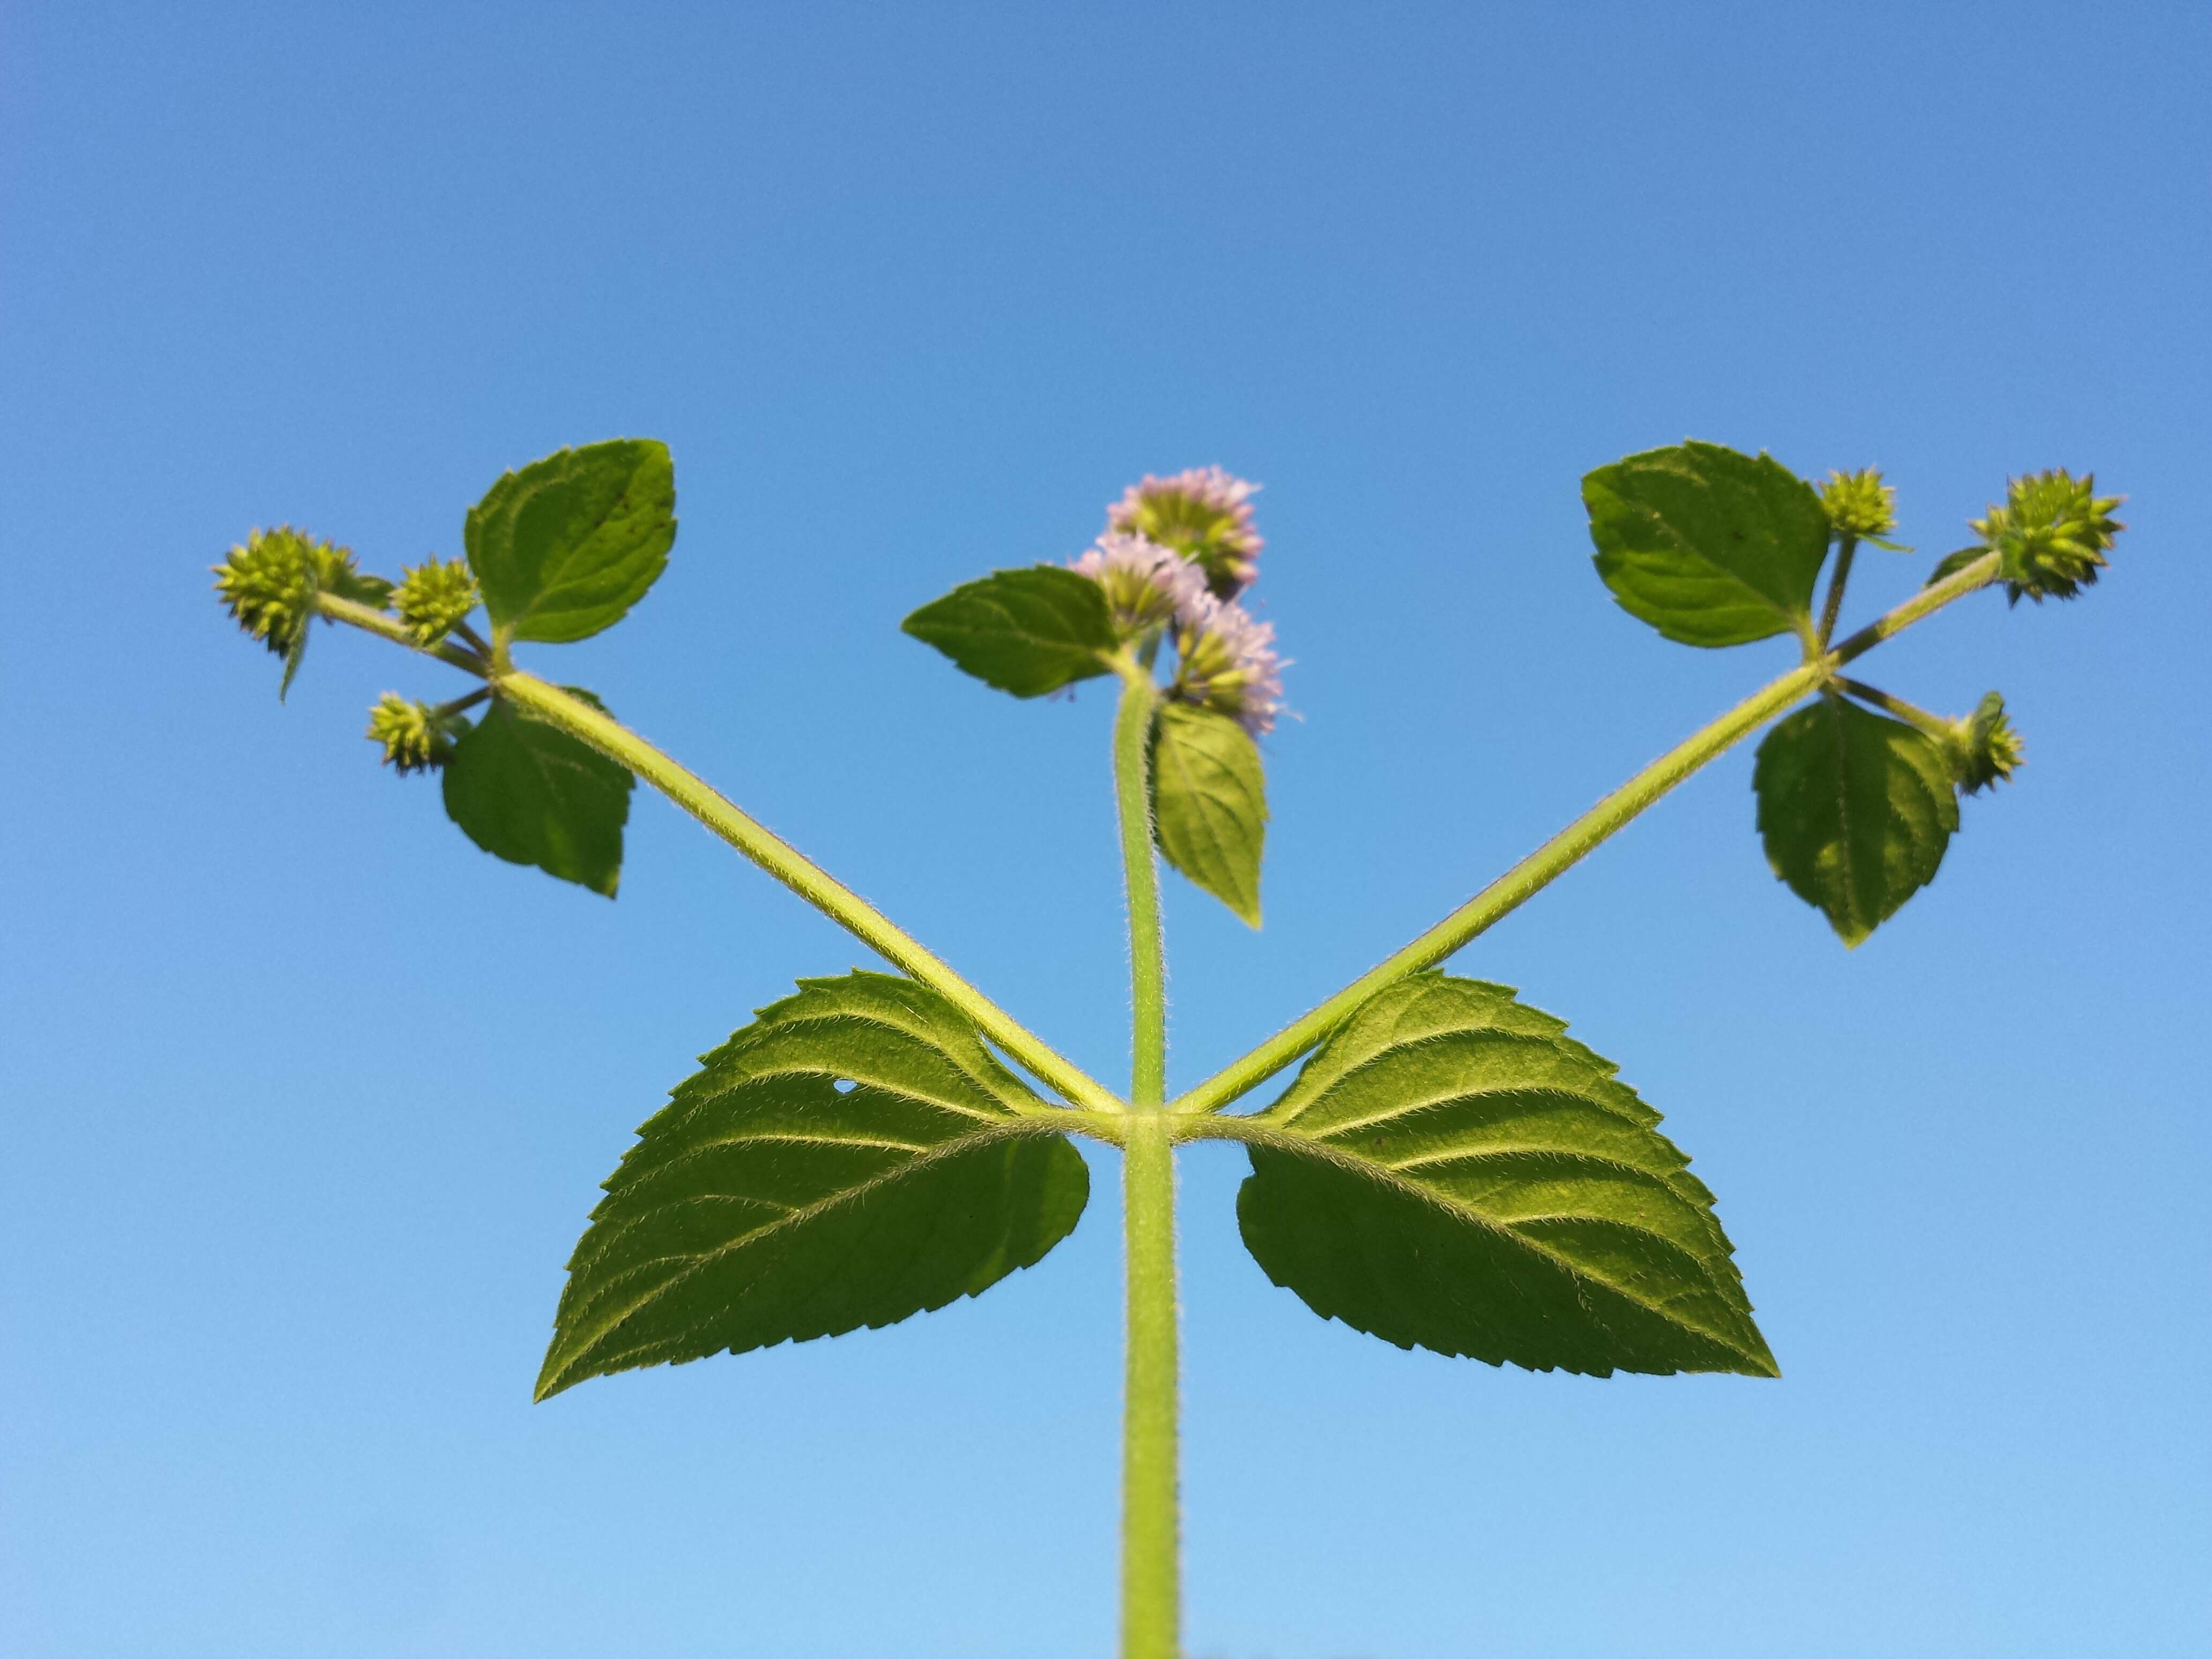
565,546
1210,803
853,1158
1854,809
1451,1171
1026,631
532,794
1710,546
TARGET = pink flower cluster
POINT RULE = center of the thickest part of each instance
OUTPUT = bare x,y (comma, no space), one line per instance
1145,584
1205,514
1226,660
1176,555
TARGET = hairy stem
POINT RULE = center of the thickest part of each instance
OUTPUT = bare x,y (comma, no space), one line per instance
1133,796
804,877
1911,713
1844,549
387,626
1151,1567
772,853
1561,853
462,705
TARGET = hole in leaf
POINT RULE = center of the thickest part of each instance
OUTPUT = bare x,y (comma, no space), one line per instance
844,1086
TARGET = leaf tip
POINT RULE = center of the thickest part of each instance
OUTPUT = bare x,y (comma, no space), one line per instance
1761,1363
554,1372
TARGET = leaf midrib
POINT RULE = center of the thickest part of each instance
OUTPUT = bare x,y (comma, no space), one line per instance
698,1260
1401,1045
1846,870
1435,1102
1283,1142
550,578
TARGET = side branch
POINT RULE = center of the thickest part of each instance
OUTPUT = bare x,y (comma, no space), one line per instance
804,877
384,624
779,858
1575,843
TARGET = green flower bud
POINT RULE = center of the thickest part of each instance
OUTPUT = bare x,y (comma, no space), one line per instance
270,584
433,598
1860,505
415,736
2051,534
1984,749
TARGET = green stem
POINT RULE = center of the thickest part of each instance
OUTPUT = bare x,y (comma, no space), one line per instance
382,622
772,853
1844,551
1151,1564
800,874
1911,713
1561,853
1133,796
462,705
1151,1567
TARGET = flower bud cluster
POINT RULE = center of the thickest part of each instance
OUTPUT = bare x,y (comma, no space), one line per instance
270,582
1860,505
2051,534
435,598
1177,553
415,736
1984,749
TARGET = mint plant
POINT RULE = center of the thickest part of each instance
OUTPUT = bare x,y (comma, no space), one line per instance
1448,1169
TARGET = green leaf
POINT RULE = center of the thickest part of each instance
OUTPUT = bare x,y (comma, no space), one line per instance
854,1157
532,794
1450,1171
295,652
564,547
1709,545
1952,563
1027,631
1210,803
1856,809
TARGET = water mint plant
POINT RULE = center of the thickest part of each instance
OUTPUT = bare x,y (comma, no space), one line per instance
1448,1169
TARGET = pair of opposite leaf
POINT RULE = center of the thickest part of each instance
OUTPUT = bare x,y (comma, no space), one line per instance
1449,1170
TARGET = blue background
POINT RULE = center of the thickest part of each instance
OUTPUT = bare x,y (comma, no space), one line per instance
305,1099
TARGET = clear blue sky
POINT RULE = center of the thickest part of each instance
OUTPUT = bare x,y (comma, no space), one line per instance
305,1099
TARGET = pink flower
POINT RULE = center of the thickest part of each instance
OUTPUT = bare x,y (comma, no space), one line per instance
1205,514
1145,584
1227,662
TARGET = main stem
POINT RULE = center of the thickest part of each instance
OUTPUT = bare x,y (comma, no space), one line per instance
1151,1542
1132,797
1151,1545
